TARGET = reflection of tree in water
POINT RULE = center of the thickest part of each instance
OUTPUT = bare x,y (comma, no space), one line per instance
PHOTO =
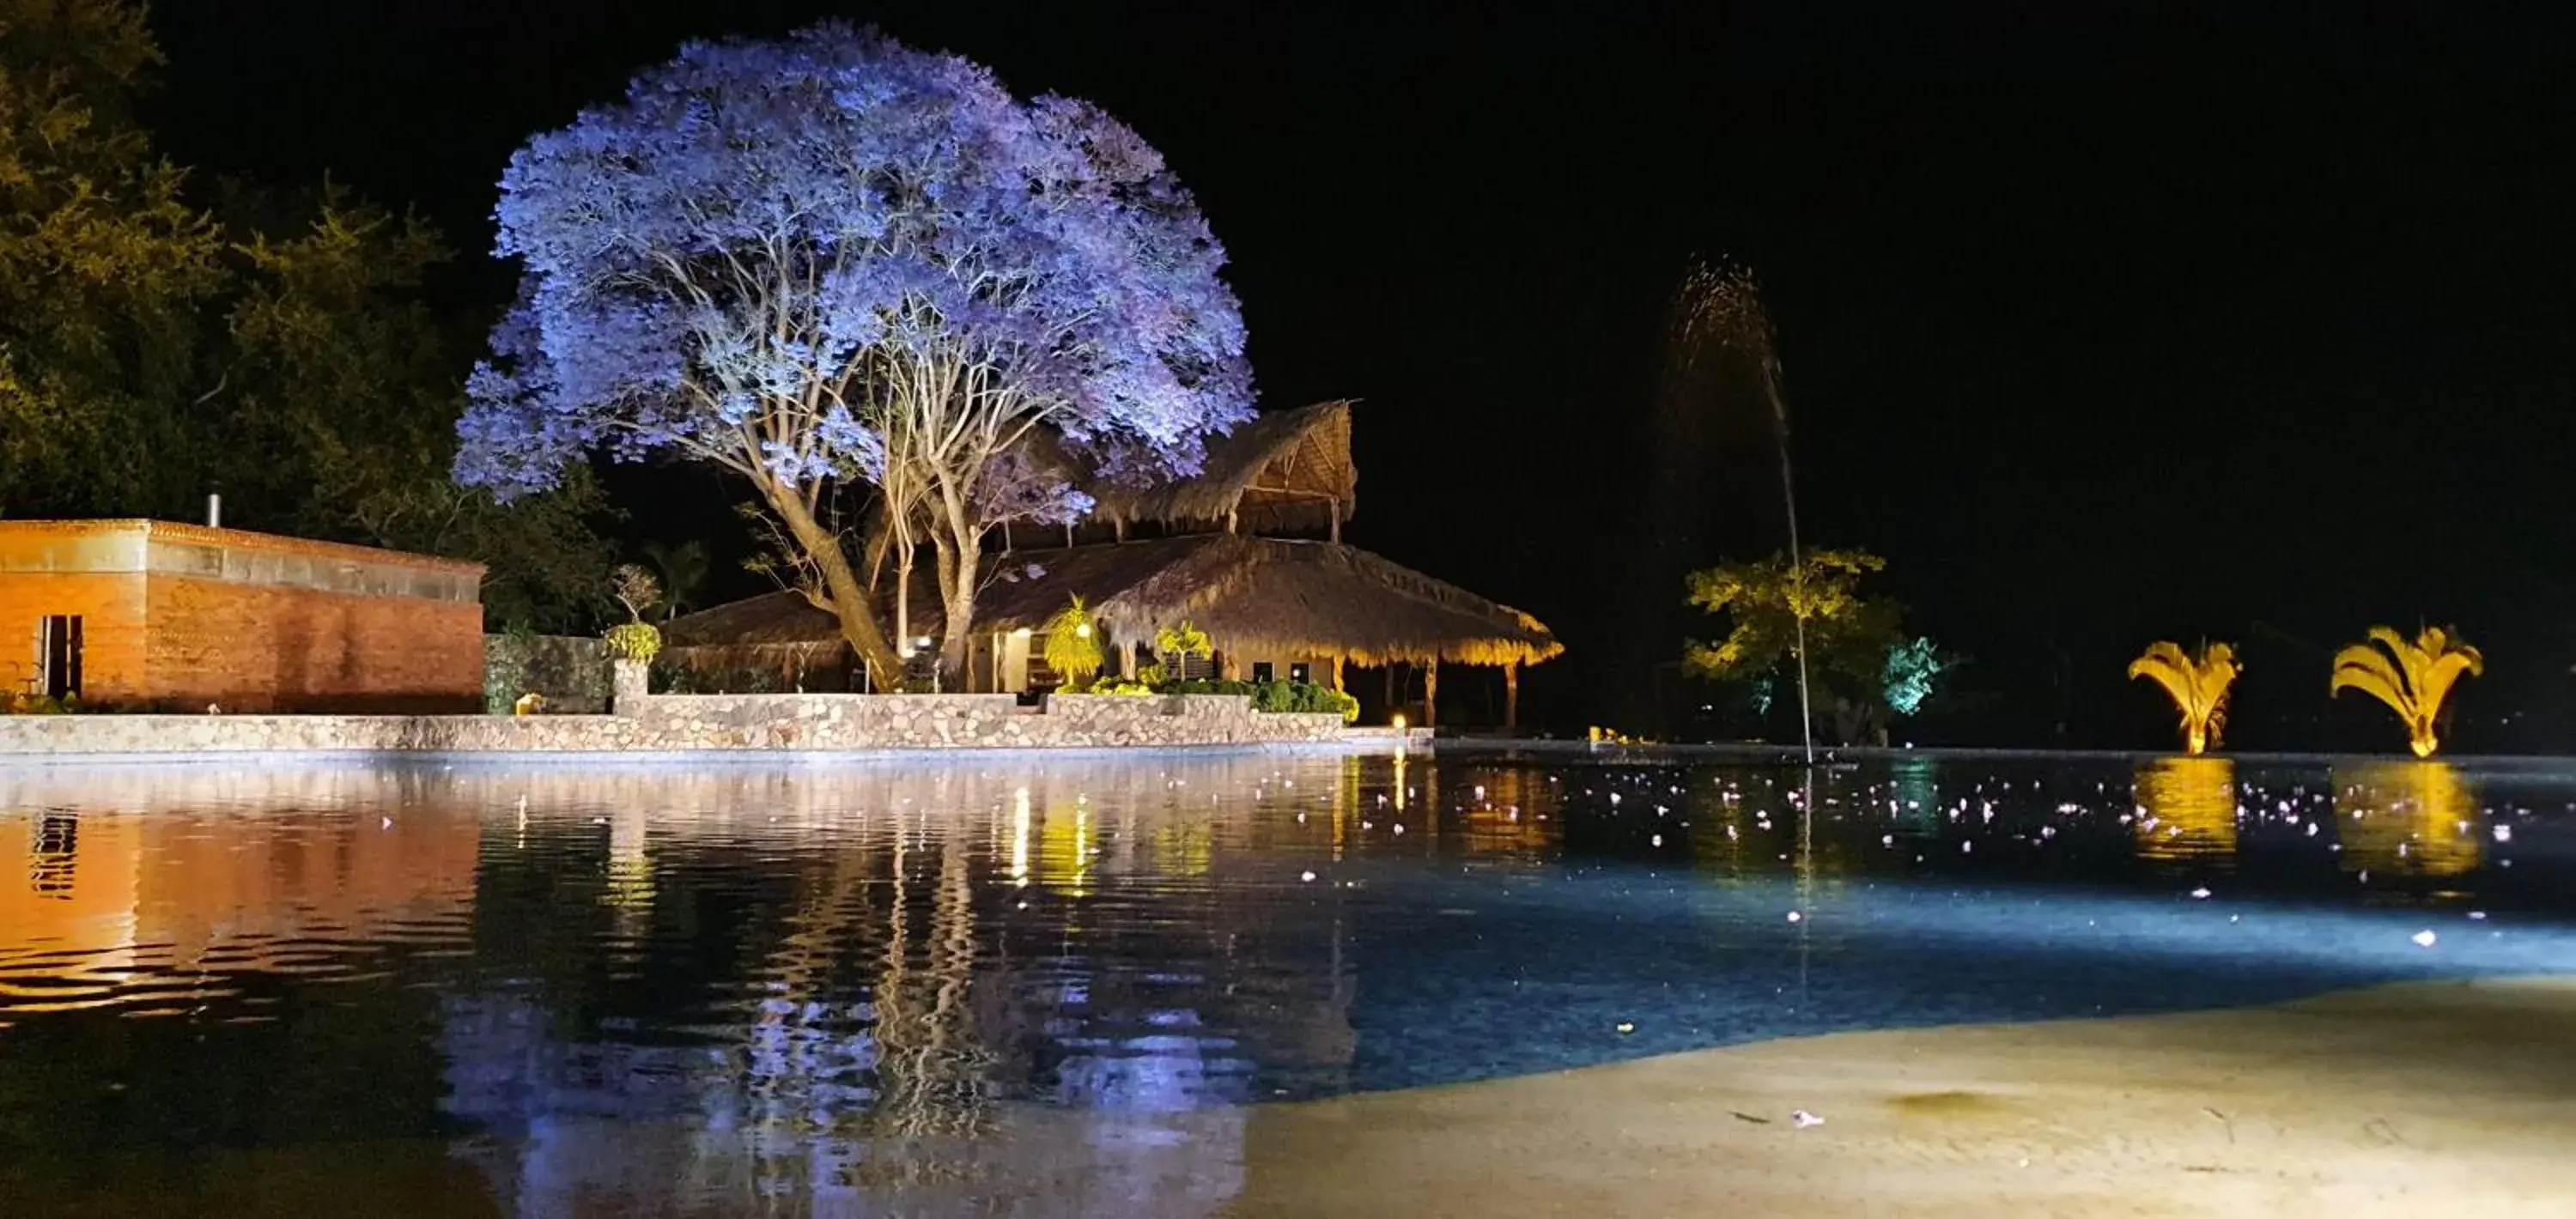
931,1070
2415,818
2190,805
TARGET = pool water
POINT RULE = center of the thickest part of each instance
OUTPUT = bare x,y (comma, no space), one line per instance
521,988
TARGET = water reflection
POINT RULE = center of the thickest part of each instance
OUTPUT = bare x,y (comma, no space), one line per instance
930,988
2410,818
2187,808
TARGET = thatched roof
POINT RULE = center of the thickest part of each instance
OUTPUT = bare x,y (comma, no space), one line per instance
1285,471
1250,594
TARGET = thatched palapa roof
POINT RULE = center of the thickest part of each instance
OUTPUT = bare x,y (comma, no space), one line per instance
1250,594
1286,471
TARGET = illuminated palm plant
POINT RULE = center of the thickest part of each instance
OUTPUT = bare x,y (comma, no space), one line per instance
2198,686
2414,677
1073,645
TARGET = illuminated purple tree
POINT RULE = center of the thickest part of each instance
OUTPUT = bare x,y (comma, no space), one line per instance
835,263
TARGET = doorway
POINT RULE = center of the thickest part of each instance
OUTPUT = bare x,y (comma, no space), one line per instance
58,655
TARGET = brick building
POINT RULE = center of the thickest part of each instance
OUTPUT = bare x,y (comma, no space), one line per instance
153,615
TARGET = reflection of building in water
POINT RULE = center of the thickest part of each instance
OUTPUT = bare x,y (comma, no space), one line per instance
2407,818
2190,805
134,881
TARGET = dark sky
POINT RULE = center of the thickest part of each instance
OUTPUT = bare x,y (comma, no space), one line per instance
2102,322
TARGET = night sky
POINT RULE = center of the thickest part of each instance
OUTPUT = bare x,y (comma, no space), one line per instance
2142,322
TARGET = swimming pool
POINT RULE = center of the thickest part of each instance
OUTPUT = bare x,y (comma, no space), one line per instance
509,987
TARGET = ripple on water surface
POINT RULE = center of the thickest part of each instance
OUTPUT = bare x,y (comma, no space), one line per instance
810,965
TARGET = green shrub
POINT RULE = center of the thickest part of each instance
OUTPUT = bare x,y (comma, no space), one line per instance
1201,685
1303,697
41,704
633,641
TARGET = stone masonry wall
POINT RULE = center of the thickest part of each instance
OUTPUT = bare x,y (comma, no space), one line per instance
686,723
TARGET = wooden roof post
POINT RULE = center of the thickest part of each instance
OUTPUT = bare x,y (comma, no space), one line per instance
1512,699
1337,671
1337,519
1431,693
1388,672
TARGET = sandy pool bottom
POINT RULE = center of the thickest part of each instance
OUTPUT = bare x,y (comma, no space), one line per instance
2425,1101
2416,1100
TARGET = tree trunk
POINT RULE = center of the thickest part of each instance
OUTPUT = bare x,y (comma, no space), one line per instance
851,601
961,564
1431,694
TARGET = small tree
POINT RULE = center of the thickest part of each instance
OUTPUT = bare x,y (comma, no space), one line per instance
1865,667
1182,641
634,639
2198,684
1073,645
2413,676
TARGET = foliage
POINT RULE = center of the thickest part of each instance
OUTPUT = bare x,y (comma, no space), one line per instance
2413,677
1201,685
2198,683
834,263
634,587
683,569
1183,641
633,641
1860,660
156,346
23,703
105,270
1129,689
1073,644
1152,675
1285,697
1909,672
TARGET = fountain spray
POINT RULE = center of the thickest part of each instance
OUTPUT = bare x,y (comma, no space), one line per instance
1719,309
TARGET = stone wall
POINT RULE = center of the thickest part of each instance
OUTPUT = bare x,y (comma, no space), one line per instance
685,723
569,671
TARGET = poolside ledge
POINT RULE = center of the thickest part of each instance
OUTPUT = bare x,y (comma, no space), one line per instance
702,722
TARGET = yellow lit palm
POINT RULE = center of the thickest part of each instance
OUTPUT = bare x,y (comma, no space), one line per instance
2414,677
2197,684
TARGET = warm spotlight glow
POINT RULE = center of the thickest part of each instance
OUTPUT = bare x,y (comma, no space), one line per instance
1083,631
2412,676
1021,633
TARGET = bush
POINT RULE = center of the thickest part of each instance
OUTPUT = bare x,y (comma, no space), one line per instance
1296,697
41,704
1201,685
633,641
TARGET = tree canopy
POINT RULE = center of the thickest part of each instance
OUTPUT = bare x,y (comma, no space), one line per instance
834,263
1860,658
162,338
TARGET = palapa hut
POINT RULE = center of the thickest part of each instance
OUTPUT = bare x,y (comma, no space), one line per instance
1297,608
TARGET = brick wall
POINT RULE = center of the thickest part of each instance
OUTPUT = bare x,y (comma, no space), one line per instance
110,606
271,648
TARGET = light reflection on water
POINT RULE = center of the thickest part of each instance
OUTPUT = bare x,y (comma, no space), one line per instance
859,986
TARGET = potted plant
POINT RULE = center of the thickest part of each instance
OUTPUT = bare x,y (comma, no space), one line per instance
631,645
